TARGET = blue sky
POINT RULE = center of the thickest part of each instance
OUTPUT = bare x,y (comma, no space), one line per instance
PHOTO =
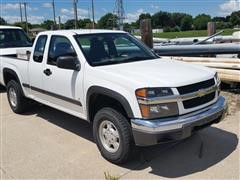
40,10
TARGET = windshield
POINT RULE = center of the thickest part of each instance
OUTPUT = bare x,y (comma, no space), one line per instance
112,48
11,38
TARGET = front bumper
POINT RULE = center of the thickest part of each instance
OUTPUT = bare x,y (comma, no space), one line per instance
150,132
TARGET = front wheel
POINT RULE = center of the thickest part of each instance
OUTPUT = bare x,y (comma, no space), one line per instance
113,136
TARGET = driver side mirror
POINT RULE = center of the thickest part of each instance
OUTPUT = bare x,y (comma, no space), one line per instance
68,62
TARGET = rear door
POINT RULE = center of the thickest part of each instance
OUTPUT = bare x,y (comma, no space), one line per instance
62,87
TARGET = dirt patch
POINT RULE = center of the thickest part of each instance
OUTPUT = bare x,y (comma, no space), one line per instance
233,99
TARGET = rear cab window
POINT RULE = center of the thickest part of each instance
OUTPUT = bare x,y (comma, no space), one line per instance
39,48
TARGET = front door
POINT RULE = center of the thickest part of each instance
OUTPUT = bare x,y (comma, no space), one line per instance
62,87
36,69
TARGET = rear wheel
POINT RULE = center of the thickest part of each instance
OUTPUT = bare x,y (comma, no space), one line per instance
113,136
17,101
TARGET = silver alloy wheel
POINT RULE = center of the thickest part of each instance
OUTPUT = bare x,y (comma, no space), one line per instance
109,136
13,97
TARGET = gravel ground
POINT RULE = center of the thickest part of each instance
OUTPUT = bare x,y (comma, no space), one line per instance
233,99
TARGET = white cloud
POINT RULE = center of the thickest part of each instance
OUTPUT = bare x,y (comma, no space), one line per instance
47,5
15,6
132,17
69,14
229,6
154,7
31,19
66,11
9,6
105,10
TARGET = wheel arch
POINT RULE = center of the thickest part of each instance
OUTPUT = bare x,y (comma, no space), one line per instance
9,74
96,91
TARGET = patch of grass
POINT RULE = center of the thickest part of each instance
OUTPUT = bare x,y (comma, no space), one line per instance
197,33
110,177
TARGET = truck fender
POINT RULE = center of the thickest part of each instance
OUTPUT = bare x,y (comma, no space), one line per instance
13,73
112,94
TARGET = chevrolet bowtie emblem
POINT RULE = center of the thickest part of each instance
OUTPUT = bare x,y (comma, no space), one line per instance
201,92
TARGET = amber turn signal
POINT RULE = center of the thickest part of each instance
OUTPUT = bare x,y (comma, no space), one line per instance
145,110
141,93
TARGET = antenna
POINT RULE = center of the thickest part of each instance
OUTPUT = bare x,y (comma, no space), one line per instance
119,11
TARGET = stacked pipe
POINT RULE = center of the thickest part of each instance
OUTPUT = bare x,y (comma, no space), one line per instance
227,68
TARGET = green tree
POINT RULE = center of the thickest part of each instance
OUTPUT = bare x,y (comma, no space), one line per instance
127,27
70,24
2,21
162,19
23,25
219,19
108,21
200,22
186,23
178,17
141,17
235,18
84,22
48,24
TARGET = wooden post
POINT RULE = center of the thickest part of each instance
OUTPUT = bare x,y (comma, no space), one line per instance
211,28
146,32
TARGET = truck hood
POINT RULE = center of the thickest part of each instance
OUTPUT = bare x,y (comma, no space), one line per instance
156,73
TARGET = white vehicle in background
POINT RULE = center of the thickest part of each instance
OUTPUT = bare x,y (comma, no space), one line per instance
13,39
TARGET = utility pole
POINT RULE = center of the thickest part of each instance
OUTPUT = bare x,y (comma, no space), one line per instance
93,15
119,11
75,13
54,14
25,9
59,22
20,6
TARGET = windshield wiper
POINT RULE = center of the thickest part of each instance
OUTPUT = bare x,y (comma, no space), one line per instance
136,58
131,59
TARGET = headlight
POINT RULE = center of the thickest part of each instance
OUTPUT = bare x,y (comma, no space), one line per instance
158,110
217,79
153,92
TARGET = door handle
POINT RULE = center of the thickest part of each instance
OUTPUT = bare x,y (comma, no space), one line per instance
48,72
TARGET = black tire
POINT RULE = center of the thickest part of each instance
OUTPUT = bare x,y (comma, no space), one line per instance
21,100
2,88
123,127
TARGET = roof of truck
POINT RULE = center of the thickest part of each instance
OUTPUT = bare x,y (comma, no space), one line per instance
9,27
80,31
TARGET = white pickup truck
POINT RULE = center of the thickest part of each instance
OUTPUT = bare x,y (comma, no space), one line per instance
112,80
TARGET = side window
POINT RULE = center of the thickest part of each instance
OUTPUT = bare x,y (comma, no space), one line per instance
39,49
59,46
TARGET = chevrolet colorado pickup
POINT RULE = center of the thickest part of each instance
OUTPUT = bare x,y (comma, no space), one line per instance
110,79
